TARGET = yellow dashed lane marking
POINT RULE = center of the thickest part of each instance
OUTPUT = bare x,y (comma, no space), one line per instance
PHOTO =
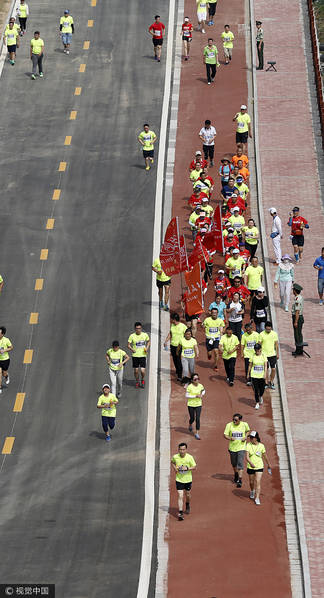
43,254
77,91
82,67
86,45
50,223
19,402
93,2
39,283
7,445
28,356
62,167
56,194
68,140
73,114
90,23
33,317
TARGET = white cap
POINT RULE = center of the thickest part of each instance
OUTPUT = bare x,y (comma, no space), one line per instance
236,209
272,210
236,250
261,289
204,199
105,386
221,272
243,107
198,153
253,433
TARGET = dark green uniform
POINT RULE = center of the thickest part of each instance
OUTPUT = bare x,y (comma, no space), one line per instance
298,305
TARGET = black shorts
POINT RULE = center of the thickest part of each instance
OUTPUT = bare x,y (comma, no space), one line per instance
242,137
298,240
12,48
272,361
157,42
186,39
212,343
139,362
148,153
4,365
162,283
182,486
190,318
253,471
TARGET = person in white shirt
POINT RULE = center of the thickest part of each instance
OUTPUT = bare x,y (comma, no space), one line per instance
276,234
207,135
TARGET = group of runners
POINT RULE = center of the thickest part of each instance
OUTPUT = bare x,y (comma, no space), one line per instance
14,31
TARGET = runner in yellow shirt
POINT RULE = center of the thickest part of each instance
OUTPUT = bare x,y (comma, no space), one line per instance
177,330
257,372
228,347
255,455
188,348
214,327
23,13
37,54
147,138
270,347
194,393
243,130
248,341
1,283
183,464
116,359
236,433
139,344
5,348
107,403
162,281
253,276
66,29
11,37
227,37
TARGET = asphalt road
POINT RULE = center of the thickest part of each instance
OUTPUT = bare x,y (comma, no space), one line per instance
71,506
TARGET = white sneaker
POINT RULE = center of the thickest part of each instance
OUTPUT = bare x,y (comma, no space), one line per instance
208,83
0,390
68,51
64,51
7,380
257,406
252,493
203,31
261,400
257,501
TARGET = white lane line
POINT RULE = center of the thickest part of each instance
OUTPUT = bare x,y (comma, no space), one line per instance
148,520
161,583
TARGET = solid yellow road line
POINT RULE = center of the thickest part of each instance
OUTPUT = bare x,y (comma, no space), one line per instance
56,194
82,67
50,223
19,402
33,319
77,91
62,167
39,283
7,445
90,23
68,140
86,45
93,2
43,254
73,114
28,356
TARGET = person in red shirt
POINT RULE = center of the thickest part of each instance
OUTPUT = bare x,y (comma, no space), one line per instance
238,287
221,284
157,31
297,223
231,240
236,201
186,33
244,252
198,158
196,198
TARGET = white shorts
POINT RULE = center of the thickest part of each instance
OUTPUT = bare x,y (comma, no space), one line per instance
202,15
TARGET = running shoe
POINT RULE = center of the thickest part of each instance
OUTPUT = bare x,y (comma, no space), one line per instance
108,438
212,161
227,379
143,383
68,51
197,436
203,31
180,516
252,493
208,83
257,501
159,60
7,380
147,168
257,406
236,477
286,308
190,428
261,400
41,75
239,483
137,385
231,383
187,511
249,383
321,302
33,77
209,357
215,368
166,307
64,50
186,57
161,305
272,386
0,390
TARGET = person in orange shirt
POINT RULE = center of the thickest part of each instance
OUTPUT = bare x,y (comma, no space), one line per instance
240,156
243,170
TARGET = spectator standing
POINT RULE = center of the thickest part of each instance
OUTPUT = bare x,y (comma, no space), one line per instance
243,129
297,223
207,135
285,277
228,347
177,330
276,234
297,312
259,45
319,266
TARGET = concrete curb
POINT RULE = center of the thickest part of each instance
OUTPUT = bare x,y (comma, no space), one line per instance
303,589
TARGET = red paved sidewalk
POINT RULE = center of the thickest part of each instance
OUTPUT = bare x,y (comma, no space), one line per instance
227,545
286,147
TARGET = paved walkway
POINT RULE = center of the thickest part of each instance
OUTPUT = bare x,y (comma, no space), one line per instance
290,177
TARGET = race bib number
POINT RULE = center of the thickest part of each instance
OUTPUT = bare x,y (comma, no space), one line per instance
188,352
260,313
211,54
236,435
258,368
236,272
241,125
250,345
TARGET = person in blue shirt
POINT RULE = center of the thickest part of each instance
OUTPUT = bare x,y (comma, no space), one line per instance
225,170
220,305
228,190
319,265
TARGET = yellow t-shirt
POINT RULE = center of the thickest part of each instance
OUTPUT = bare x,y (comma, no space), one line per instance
237,433
259,363
1,279
177,332
11,35
138,342
248,341
237,222
243,120
108,411
188,347
37,45
251,234
187,461
116,358
254,277
66,22
254,453
208,209
267,340
228,343
23,10
147,138
162,277
193,391
212,327
242,189
4,344
192,219
195,174
235,266
227,37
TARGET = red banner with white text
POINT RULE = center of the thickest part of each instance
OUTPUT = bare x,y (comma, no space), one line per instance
195,301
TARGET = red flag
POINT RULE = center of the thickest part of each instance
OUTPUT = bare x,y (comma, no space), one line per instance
194,295
173,254
213,240
199,254
183,258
